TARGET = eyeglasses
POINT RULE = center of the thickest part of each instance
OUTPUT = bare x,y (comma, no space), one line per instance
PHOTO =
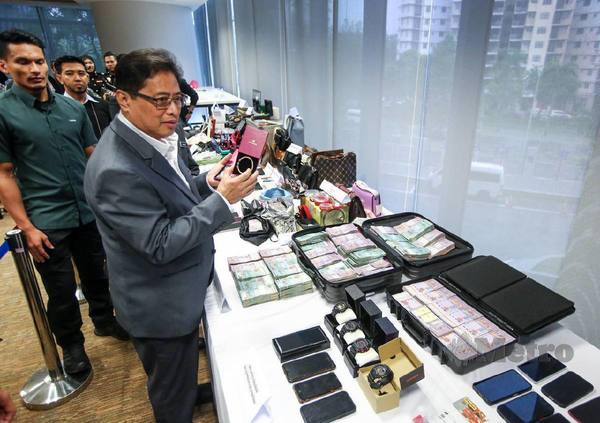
163,102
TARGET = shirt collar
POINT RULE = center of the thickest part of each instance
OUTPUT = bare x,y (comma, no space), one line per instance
27,98
161,145
87,97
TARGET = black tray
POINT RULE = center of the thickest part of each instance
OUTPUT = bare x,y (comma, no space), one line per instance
424,338
419,268
334,291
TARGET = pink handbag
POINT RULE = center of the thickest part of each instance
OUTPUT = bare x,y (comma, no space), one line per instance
369,197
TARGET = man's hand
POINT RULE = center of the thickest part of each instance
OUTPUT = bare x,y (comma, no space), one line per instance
36,241
235,187
8,411
214,172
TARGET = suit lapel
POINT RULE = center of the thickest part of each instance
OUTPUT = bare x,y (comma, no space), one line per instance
188,177
157,162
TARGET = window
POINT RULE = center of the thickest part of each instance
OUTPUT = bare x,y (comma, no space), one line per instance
536,58
586,3
545,15
580,30
583,16
442,21
64,30
541,30
530,15
444,9
577,44
547,1
539,44
586,85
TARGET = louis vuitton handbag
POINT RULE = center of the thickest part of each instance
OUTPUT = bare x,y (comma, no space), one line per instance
335,166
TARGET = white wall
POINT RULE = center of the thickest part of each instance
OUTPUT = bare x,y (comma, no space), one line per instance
124,26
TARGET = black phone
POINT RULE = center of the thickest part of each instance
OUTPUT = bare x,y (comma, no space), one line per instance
528,408
541,367
587,412
300,343
566,389
308,366
317,387
328,409
555,418
501,386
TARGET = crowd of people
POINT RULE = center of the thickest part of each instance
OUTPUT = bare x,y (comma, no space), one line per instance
95,171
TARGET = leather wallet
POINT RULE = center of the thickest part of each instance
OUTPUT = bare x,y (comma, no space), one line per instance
328,409
300,343
308,366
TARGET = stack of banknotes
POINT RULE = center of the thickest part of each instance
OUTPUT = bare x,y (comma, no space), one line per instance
342,253
415,239
268,275
461,328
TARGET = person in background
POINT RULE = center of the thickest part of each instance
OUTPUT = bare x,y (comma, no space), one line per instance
157,224
110,63
55,85
186,111
70,71
8,411
45,140
96,80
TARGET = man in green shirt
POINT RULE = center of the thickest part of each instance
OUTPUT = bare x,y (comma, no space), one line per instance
45,140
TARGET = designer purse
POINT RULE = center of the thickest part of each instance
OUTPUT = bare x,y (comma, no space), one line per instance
335,166
369,197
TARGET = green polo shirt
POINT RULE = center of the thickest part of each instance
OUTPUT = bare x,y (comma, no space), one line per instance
45,142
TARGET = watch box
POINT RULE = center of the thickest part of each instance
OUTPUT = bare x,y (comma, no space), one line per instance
407,369
413,269
250,150
516,305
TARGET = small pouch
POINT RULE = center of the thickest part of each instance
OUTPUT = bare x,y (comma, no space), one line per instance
256,229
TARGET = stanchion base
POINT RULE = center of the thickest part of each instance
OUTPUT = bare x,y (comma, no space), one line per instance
42,393
79,295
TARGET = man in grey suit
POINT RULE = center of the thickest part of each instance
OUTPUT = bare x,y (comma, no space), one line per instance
157,223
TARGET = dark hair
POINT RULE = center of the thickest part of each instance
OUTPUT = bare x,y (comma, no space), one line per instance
109,53
16,36
139,65
88,57
58,63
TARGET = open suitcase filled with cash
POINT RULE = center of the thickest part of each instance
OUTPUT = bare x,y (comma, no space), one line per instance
419,267
377,274
474,313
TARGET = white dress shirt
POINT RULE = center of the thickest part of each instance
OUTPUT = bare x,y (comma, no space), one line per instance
87,97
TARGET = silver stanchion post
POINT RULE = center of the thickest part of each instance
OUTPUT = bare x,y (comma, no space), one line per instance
50,386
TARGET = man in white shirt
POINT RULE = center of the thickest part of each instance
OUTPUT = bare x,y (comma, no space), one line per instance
71,73
157,224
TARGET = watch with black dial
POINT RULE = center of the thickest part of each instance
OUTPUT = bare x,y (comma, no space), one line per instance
348,327
340,307
359,346
379,376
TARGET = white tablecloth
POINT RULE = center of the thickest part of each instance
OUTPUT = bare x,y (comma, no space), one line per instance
243,335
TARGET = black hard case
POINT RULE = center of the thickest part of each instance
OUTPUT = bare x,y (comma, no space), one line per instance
334,291
424,338
419,268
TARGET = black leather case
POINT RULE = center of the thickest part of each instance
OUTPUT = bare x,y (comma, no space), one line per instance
328,409
317,387
300,343
308,366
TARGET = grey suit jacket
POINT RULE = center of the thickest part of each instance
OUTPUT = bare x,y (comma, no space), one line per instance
157,233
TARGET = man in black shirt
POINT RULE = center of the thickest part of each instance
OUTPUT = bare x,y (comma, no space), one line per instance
110,63
71,72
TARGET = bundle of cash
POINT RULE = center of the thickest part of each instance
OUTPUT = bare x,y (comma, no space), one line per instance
276,251
243,259
354,245
440,247
457,346
409,251
338,272
293,285
251,270
361,257
283,265
319,249
396,237
384,230
351,237
311,238
323,261
378,266
341,230
414,228
429,237
257,290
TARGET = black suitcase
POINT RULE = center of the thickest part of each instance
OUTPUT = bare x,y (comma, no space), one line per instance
515,303
419,268
334,291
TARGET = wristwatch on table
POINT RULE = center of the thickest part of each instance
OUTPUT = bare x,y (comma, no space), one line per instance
379,376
